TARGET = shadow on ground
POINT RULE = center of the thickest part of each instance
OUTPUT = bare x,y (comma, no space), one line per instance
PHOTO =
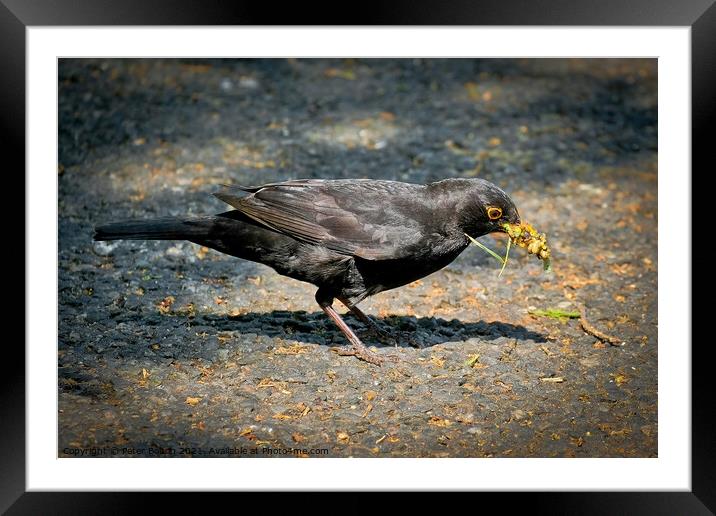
423,331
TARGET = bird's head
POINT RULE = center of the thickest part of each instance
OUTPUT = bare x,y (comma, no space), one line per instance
485,208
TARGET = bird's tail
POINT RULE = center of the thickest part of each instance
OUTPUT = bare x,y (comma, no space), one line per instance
155,229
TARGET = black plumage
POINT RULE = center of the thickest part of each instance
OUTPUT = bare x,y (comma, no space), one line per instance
351,238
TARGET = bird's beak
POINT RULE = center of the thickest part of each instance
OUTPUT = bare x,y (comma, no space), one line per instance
502,226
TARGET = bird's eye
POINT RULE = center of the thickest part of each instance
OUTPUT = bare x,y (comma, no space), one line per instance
494,213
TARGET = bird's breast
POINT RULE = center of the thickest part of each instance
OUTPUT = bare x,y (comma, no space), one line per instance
379,275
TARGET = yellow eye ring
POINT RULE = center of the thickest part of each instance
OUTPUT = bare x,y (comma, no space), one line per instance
494,213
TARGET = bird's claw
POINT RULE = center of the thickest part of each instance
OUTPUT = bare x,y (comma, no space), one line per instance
365,355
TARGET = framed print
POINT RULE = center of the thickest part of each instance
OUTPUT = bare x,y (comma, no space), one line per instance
448,257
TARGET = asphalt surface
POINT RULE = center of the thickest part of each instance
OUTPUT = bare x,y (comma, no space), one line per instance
169,349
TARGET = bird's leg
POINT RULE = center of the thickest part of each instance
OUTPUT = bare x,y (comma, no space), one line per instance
359,350
384,336
372,325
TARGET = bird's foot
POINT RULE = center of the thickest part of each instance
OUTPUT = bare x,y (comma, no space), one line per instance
365,354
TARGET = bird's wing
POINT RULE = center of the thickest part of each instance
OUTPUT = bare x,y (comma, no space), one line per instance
368,219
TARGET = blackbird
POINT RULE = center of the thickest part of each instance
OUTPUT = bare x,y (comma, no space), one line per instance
351,238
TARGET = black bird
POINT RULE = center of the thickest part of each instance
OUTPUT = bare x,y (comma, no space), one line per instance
352,238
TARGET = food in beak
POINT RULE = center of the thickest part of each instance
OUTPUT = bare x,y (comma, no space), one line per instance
527,237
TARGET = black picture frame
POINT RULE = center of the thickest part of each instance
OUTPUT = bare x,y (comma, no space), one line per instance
17,15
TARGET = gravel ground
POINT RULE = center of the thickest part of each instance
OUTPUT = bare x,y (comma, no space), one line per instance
170,349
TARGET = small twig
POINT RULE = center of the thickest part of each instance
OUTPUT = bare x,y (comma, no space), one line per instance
614,341
552,379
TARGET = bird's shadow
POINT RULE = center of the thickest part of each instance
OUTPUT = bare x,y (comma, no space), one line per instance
316,328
